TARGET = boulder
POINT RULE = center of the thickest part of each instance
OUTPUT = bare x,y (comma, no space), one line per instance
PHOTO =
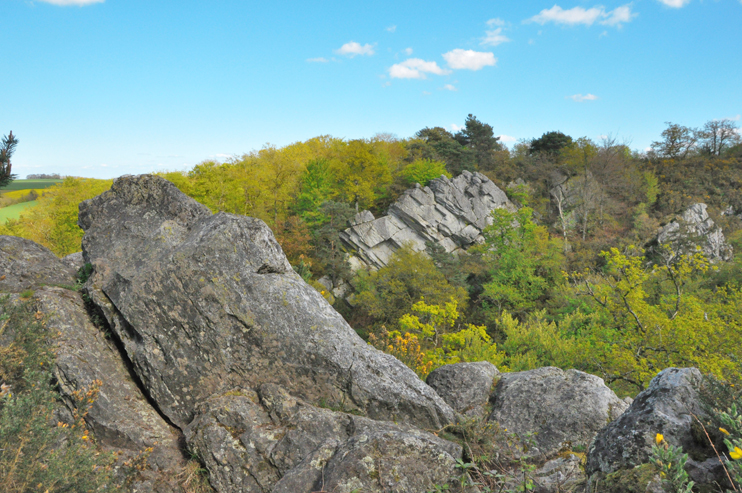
564,409
694,228
267,440
27,265
449,212
205,303
664,407
465,387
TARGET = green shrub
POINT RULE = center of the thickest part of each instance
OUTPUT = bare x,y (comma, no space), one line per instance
37,451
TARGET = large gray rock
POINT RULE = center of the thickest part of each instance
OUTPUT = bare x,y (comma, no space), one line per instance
664,407
694,228
449,212
466,387
25,265
205,303
564,408
269,441
120,417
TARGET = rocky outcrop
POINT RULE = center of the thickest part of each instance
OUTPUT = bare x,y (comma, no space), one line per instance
665,407
27,265
267,440
204,303
694,228
449,212
563,408
121,418
465,387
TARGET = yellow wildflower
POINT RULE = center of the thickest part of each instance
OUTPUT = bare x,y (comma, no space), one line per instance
659,438
736,454
724,431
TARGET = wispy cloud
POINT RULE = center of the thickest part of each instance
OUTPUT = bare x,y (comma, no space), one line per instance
507,138
318,60
391,29
676,4
79,3
352,49
456,128
408,51
450,87
587,17
580,98
494,38
469,59
415,68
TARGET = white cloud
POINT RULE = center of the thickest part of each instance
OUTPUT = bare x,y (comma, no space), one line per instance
455,128
427,93
587,17
495,22
469,59
408,51
79,3
507,138
618,16
352,49
494,38
676,4
415,68
735,118
580,98
318,60
391,29
450,87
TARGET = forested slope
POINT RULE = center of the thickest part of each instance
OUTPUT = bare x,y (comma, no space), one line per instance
564,281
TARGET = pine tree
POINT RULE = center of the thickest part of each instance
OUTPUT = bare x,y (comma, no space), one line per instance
9,143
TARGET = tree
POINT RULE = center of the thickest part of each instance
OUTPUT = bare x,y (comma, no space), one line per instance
360,175
315,184
678,141
480,138
654,319
719,135
383,296
9,144
422,171
550,143
439,144
523,263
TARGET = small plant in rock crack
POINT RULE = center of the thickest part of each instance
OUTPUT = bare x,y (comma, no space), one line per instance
494,458
670,463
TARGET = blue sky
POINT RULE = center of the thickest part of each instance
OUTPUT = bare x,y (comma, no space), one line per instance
102,88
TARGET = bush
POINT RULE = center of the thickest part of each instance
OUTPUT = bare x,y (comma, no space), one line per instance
39,451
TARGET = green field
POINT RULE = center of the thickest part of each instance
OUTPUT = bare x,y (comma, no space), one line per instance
14,211
25,184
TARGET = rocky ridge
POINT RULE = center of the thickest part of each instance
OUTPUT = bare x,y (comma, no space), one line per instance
216,346
449,212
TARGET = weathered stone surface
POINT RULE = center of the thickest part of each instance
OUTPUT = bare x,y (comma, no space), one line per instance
204,303
270,441
560,475
465,387
28,265
696,228
74,260
120,417
450,212
664,407
563,408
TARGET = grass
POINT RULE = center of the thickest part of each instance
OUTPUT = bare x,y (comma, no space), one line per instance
15,211
26,184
